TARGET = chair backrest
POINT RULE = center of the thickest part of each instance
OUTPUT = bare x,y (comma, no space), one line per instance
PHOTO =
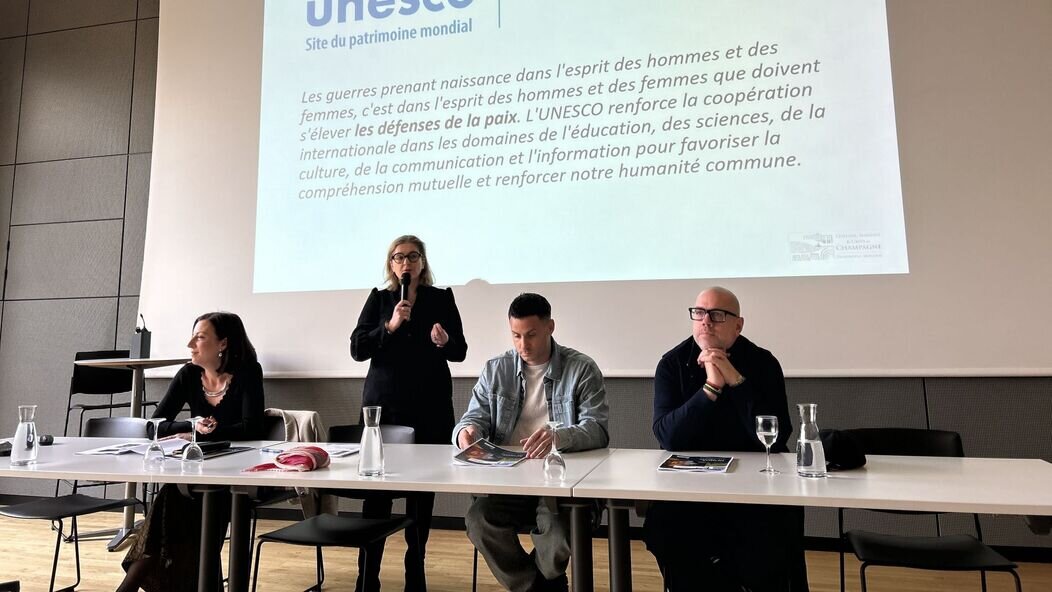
273,427
87,380
392,434
116,427
908,442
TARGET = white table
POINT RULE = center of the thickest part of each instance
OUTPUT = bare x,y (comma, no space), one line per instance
970,485
137,366
420,467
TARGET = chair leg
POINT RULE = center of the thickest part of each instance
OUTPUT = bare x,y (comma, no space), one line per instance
982,578
1018,584
475,571
319,566
862,575
255,566
840,543
841,567
58,547
76,551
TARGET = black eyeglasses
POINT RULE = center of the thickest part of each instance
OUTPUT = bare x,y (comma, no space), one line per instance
716,315
400,258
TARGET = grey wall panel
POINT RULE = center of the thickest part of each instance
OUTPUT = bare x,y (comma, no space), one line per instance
12,54
999,418
337,400
77,93
78,259
149,8
40,339
135,223
127,316
70,190
6,178
36,361
858,402
631,402
996,417
13,17
52,15
145,86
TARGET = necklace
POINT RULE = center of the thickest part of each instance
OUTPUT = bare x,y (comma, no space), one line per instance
214,394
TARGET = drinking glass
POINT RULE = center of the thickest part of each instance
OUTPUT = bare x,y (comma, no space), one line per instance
554,463
193,456
153,460
767,432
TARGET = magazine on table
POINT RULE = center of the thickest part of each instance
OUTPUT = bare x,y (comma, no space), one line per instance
486,453
334,450
696,464
169,445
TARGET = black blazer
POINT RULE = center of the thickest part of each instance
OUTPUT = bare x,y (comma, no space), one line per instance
239,416
408,374
685,419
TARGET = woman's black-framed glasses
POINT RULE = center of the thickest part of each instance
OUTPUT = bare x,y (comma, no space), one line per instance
716,315
400,258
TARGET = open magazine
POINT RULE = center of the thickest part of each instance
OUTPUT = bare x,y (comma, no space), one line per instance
484,452
697,464
334,450
169,445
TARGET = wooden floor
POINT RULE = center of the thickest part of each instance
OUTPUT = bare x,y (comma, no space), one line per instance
26,547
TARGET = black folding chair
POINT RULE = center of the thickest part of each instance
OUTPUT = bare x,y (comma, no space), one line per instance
942,553
60,508
326,530
94,388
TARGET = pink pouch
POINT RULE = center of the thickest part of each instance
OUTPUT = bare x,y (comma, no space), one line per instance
299,458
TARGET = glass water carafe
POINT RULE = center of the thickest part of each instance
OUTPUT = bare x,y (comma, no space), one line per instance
24,446
371,456
810,455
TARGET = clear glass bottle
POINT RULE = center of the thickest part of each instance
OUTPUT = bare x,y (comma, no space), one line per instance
24,446
810,455
371,456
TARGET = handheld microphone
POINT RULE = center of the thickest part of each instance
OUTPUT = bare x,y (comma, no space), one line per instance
406,280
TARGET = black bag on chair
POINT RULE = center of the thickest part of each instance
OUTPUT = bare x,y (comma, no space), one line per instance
843,451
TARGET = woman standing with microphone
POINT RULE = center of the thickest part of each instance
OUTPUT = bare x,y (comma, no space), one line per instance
409,332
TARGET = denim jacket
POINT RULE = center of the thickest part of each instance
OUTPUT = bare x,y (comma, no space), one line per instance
573,384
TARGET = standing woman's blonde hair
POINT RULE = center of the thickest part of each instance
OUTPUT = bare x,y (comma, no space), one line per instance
393,281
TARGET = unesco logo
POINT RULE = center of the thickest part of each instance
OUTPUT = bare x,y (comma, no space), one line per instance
320,12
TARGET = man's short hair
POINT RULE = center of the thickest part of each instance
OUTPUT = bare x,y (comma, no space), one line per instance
529,304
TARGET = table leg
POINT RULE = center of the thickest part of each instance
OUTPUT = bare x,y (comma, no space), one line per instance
240,545
620,547
128,526
581,545
211,540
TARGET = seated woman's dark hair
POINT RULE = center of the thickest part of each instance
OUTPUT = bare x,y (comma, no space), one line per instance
239,351
529,304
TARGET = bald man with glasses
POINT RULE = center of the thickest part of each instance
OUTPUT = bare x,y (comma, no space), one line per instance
708,391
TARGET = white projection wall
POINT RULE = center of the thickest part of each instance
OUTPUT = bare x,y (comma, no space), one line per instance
752,130
815,247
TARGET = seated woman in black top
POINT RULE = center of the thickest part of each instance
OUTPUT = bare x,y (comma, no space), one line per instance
409,343
223,383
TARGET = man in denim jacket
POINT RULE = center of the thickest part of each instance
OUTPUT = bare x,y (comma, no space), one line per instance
514,397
